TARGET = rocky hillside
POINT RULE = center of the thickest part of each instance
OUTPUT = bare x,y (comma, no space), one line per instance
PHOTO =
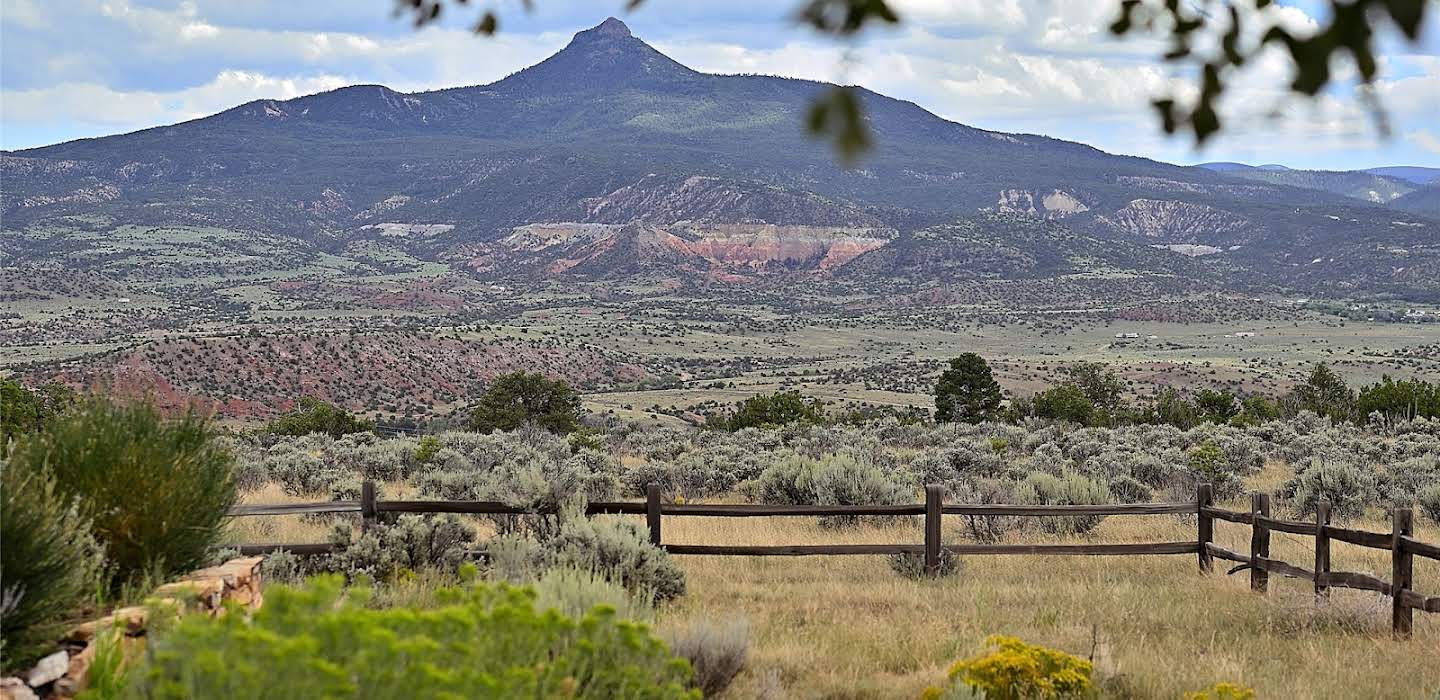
393,373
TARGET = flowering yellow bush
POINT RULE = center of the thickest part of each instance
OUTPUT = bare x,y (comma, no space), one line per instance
1222,691
1014,670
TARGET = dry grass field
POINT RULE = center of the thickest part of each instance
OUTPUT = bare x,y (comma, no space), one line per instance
850,627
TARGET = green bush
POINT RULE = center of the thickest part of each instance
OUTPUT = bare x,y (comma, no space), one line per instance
312,415
425,451
489,640
49,563
518,398
772,410
157,491
1068,489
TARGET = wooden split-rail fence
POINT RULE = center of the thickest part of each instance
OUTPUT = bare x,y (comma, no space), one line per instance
1403,547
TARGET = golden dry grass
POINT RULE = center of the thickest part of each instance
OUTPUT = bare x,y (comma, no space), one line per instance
848,627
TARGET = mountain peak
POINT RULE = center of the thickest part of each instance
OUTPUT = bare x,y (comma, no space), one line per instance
610,28
604,57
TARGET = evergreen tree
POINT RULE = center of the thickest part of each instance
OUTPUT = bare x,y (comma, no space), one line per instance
967,392
1325,393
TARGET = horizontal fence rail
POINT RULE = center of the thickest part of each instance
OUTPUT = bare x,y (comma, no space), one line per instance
1400,541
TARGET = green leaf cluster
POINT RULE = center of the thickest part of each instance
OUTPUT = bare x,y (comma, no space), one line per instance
489,640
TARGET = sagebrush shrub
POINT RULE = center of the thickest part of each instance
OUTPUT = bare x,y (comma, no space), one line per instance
49,563
411,543
1067,489
911,565
300,473
489,640
575,592
156,490
717,652
618,549
839,479
1429,502
1348,488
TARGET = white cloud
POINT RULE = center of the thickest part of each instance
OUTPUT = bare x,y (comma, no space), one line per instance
138,109
1424,139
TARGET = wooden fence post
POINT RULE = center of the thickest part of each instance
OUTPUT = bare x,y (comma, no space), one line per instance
652,512
1205,530
934,499
1401,575
1322,550
1259,541
367,504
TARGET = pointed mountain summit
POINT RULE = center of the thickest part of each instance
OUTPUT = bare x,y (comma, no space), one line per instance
604,58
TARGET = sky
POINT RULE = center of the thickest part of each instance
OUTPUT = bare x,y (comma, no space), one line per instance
86,68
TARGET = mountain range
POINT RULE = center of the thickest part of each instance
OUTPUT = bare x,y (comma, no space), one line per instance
609,159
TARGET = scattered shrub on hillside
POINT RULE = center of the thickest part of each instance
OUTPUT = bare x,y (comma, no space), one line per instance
1067,489
1348,488
49,563
412,542
1015,670
485,641
313,415
157,491
716,652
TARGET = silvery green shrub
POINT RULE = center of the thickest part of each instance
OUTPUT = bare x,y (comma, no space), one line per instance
1069,488
412,542
1349,488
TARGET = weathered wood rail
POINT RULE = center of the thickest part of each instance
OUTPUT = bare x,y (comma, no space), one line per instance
1402,545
